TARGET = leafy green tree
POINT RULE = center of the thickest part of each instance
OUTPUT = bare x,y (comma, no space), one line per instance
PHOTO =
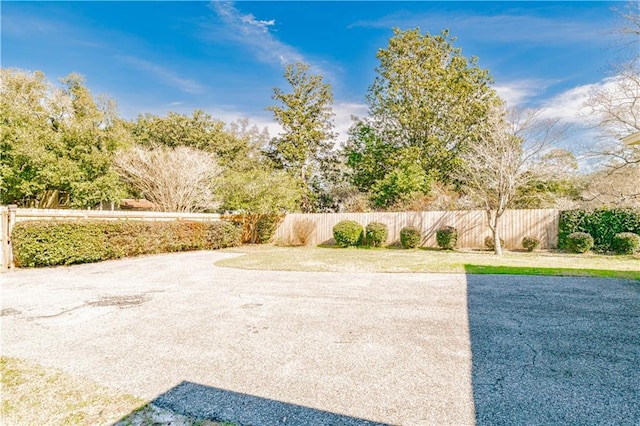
200,131
427,97
305,114
56,141
259,192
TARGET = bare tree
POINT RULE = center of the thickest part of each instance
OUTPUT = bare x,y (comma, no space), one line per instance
509,155
175,179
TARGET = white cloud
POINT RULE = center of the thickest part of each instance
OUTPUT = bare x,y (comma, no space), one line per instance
342,120
519,92
164,74
256,34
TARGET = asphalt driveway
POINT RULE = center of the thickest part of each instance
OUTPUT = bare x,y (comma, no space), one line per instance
259,347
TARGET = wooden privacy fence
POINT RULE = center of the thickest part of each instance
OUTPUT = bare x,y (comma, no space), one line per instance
10,215
471,225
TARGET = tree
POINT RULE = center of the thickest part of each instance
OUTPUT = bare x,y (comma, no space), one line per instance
428,95
508,155
176,179
199,131
305,114
57,142
260,192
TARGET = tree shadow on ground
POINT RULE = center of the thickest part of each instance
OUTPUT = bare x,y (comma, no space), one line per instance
554,350
193,403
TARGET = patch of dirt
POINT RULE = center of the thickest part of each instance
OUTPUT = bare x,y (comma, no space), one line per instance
119,301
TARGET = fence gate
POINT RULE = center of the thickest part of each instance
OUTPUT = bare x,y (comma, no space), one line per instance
7,220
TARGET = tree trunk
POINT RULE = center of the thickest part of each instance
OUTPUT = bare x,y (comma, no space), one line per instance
497,246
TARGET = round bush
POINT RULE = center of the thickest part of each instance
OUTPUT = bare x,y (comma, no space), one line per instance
410,237
348,233
488,243
447,237
376,234
626,243
579,242
530,243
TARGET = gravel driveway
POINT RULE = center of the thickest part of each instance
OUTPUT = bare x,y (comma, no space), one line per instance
260,347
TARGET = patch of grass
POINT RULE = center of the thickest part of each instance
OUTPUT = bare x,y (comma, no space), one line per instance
319,259
36,395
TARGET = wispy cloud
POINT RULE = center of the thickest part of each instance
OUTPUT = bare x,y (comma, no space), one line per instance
256,34
519,92
506,28
164,74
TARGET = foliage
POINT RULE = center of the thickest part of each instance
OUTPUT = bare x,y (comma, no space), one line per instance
579,242
257,228
174,179
49,243
348,233
307,139
530,243
256,193
199,131
602,224
427,96
302,231
489,242
410,237
376,234
56,141
626,243
447,237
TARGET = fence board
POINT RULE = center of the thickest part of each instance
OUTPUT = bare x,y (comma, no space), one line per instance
471,225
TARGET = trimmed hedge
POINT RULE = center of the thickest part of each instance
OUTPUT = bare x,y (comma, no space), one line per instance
410,237
601,224
348,233
376,234
490,244
447,237
49,243
579,242
626,243
530,243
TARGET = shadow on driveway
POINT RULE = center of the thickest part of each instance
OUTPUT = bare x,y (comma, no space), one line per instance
554,350
198,402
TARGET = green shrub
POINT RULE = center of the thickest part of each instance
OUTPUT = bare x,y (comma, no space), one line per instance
410,237
49,243
266,228
579,242
626,243
601,224
530,243
376,234
489,243
348,233
447,237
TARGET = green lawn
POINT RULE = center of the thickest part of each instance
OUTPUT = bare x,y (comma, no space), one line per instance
333,259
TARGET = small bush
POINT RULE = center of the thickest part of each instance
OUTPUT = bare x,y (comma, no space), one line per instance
626,243
266,228
50,243
302,231
348,233
579,242
530,243
376,234
410,237
447,237
489,243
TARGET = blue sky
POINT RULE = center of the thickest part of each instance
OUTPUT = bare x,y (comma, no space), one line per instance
226,57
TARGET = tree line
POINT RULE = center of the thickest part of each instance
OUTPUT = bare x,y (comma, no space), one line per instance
436,136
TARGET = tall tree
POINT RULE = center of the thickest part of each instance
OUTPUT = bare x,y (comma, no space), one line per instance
428,100
508,155
56,141
305,115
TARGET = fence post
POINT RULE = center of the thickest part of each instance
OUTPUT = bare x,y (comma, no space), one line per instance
7,219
